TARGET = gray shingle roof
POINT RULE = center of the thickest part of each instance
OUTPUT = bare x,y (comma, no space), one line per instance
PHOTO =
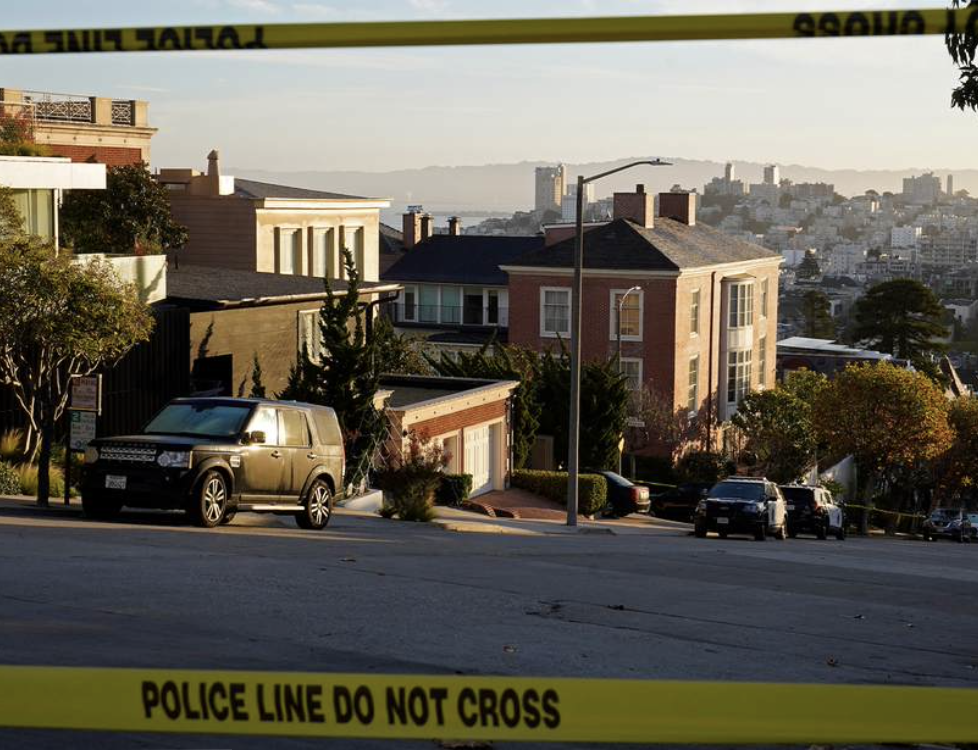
668,246
258,190
461,259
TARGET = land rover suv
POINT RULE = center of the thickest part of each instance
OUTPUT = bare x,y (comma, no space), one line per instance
742,505
214,457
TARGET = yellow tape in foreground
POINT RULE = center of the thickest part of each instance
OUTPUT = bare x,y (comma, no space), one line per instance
507,31
487,708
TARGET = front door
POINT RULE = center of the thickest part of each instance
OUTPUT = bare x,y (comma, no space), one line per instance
294,431
264,465
479,458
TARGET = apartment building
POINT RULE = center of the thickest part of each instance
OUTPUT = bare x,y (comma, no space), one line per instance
258,226
694,310
98,129
550,185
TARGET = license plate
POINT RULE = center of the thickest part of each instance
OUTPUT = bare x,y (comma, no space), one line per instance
113,482
723,520
791,507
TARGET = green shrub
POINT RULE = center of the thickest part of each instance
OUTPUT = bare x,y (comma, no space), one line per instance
454,489
9,480
703,467
411,478
28,480
592,489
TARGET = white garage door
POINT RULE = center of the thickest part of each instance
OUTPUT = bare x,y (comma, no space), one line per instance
479,459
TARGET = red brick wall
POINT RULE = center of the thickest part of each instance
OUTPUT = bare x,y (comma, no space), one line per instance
112,156
466,418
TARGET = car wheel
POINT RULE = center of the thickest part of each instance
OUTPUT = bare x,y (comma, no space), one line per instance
99,507
210,501
317,508
793,533
760,533
840,533
822,530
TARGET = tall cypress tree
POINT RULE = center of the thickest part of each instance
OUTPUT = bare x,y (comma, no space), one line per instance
818,318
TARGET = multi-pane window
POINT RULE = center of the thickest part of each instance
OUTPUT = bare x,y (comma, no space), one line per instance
626,315
764,298
554,312
694,312
492,307
472,306
429,303
738,375
741,305
289,248
762,361
631,368
693,393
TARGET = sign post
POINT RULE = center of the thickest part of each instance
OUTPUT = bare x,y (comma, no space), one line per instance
86,405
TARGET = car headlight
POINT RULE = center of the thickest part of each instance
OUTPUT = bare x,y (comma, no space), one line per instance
174,459
91,454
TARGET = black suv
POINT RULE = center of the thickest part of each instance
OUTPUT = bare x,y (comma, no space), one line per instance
950,523
215,456
742,505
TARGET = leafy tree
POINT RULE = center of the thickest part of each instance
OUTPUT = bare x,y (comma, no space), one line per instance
345,377
890,419
957,470
901,317
806,385
962,48
815,307
257,386
779,434
808,268
132,215
702,467
398,353
659,424
497,362
59,318
11,222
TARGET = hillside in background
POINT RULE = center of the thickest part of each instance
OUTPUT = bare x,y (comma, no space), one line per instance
509,187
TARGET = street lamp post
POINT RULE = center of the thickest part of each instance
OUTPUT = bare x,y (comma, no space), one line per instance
574,428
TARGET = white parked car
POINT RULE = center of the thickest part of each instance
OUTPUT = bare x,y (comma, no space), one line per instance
812,510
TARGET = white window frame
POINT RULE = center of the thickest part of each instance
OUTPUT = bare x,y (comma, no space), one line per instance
403,304
543,296
693,386
695,299
742,374
762,361
743,317
613,314
641,371
323,244
295,231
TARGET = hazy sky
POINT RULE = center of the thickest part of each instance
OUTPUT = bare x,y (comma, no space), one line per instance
874,103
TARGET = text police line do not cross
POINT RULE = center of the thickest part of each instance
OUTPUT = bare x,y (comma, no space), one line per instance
869,23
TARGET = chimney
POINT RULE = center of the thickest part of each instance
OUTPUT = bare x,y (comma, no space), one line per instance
454,226
678,206
411,227
637,206
427,227
214,172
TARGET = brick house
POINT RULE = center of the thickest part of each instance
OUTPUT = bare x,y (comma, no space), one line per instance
700,322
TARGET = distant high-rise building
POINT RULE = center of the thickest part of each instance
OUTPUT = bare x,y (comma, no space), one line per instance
568,207
725,185
771,174
923,189
550,183
950,185
729,174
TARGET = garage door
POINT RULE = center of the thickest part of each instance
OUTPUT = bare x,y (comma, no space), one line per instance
478,458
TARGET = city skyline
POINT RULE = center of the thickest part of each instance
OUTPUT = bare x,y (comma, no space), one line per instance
822,103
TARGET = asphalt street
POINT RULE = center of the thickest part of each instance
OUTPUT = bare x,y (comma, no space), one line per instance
369,595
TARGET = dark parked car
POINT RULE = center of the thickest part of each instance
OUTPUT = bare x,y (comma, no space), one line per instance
680,502
624,496
812,510
215,456
742,505
950,523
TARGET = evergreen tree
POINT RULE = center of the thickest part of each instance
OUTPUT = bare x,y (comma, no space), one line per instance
257,387
902,317
818,319
808,268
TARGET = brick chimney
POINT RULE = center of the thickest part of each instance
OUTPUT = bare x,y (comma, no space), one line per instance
214,172
454,226
411,227
638,206
678,206
427,227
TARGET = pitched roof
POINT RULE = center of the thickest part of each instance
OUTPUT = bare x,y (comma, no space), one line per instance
213,287
668,246
391,247
258,190
461,259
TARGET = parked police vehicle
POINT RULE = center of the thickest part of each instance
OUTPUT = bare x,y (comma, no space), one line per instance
742,505
215,456
812,510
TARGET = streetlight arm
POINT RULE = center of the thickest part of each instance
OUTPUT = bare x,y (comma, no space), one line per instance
622,168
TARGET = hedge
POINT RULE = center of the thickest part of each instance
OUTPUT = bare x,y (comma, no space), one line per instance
592,489
454,489
9,480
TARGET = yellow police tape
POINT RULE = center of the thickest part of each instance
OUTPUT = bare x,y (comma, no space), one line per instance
480,708
506,31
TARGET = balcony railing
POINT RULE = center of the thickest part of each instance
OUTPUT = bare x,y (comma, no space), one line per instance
451,315
51,107
122,112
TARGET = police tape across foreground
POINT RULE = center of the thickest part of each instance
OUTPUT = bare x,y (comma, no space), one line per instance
869,23
479,708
